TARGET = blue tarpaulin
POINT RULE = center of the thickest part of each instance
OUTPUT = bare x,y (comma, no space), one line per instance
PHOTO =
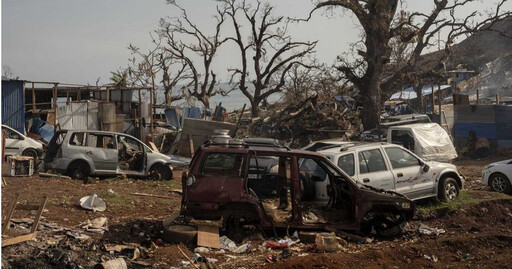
46,131
171,118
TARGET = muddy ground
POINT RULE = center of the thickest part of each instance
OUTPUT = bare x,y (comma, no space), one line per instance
478,230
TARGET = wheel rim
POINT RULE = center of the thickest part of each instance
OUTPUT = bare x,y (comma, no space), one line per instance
451,191
499,184
30,154
78,174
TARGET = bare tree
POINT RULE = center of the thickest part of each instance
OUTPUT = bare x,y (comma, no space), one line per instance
381,24
184,41
273,51
7,72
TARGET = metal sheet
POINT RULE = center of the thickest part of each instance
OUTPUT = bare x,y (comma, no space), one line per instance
92,116
13,102
487,130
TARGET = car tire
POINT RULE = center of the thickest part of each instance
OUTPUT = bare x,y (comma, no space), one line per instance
79,171
178,233
160,172
448,189
500,183
30,153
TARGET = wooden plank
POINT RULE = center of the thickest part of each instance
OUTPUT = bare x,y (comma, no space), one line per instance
153,146
198,127
151,195
191,145
18,239
38,215
208,236
9,215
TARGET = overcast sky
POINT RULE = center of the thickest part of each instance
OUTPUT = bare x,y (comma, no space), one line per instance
76,41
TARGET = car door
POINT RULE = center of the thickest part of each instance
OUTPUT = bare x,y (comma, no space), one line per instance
410,179
373,170
101,150
220,178
13,142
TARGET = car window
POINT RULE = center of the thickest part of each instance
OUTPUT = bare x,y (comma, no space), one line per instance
77,139
371,161
223,164
315,171
346,163
129,143
10,134
400,158
105,141
403,138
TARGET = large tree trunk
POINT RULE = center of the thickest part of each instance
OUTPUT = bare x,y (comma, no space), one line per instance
419,98
255,109
371,106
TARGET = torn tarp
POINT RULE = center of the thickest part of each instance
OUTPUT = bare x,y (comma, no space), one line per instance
172,119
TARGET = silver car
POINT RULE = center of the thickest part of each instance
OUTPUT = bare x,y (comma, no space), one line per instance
80,153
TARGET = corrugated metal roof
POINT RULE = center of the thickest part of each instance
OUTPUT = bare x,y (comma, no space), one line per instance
13,103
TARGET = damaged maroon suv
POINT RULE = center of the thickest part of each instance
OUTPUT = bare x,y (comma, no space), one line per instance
216,187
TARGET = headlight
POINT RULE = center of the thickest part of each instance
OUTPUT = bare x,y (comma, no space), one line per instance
488,166
191,180
406,205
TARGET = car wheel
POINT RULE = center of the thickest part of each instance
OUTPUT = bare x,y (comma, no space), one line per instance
79,171
448,189
160,172
500,183
30,153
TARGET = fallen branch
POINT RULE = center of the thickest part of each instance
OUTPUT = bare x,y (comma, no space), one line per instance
191,262
151,195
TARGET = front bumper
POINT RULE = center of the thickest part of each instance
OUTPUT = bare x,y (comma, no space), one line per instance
485,177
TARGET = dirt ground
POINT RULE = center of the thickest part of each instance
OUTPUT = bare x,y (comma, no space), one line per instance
478,233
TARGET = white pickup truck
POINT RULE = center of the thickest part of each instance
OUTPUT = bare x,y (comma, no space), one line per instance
427,140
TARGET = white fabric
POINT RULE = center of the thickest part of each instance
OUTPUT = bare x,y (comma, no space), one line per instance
432,142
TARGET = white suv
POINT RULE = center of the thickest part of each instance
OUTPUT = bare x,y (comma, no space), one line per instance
392,167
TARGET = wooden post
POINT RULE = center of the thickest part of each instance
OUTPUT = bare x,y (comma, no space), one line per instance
108,94
33,99
79,97
477,95
151,107
497,99
238,123
55,106
141,128
433,101
439,100
67,96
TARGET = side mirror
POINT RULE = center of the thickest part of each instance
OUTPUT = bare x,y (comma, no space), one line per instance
425,168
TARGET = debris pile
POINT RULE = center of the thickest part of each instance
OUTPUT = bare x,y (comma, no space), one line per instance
314,118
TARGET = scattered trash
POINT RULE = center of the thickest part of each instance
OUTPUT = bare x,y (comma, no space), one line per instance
276,245
242,248
432,258
285,253
97,225
93,203
112,264
424,229
201,250
271,258
198,258
327,242
78,236
110,191
227,244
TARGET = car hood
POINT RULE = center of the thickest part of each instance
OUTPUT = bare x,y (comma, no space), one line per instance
441,165
379,191
502,162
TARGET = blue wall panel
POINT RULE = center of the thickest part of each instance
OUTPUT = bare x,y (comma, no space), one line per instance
487,130
13,102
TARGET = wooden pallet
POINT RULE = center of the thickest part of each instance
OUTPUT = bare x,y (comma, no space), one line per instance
23,207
